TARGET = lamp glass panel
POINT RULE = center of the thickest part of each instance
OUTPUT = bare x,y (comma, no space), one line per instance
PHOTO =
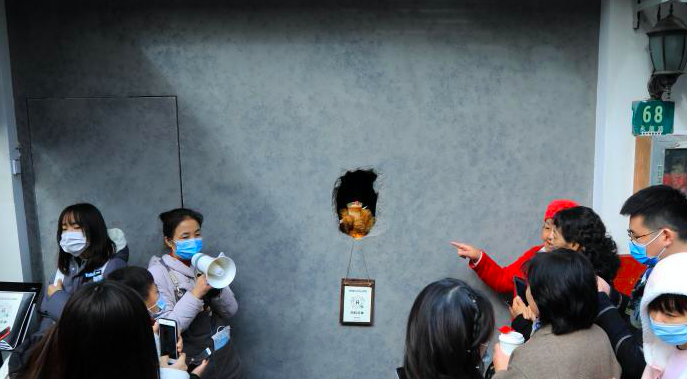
656,48
675,45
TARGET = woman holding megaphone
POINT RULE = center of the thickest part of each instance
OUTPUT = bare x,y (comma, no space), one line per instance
201,312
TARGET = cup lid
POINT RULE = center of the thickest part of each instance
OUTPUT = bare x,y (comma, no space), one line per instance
513,337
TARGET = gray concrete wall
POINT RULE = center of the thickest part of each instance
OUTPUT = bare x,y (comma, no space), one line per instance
120,154
476,114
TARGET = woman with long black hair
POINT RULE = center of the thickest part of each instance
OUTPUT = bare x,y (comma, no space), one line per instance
105,333
86,252
448,332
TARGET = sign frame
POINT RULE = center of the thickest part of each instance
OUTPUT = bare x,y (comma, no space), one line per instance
367,289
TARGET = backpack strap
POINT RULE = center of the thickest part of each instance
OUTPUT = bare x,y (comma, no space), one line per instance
178,291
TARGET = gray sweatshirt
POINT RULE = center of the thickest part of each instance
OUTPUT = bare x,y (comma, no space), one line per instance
182,306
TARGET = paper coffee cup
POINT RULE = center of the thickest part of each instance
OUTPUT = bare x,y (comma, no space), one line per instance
173,373
509,341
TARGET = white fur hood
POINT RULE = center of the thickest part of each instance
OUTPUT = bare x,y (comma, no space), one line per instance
669,276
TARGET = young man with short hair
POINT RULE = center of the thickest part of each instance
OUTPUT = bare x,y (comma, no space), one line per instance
658,229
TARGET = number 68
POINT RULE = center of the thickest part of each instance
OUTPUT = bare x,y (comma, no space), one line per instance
658,114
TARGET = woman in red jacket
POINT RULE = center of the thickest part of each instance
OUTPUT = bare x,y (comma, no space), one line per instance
500,279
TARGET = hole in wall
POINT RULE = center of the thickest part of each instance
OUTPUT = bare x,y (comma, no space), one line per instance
355,202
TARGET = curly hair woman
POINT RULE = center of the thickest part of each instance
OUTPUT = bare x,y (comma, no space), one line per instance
581,229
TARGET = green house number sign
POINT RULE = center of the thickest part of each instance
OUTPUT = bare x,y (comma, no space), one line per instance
652,117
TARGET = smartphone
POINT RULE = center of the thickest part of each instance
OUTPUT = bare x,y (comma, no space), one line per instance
168,339
520,288
198,360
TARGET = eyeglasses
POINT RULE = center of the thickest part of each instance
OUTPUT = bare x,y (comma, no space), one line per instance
633,237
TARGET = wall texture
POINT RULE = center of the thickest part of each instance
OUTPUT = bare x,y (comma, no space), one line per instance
475,114
118,153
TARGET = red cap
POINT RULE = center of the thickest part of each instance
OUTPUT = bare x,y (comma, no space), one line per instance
558,205
505,329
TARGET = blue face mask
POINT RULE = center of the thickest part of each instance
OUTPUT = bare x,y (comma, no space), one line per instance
486,361
672,334
186,249
638,252
221,338
160,304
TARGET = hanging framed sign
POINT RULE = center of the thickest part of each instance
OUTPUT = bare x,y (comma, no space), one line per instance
357,302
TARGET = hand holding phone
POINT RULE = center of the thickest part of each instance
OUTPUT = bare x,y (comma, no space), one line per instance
199,370
179,364
168,339
518,308
521,288
198,360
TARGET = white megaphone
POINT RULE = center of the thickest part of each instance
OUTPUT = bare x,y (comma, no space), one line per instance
220,271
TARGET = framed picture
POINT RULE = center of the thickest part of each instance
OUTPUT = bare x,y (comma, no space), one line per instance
668,163
357,302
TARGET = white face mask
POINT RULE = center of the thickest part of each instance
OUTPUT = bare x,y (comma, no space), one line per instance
73,243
